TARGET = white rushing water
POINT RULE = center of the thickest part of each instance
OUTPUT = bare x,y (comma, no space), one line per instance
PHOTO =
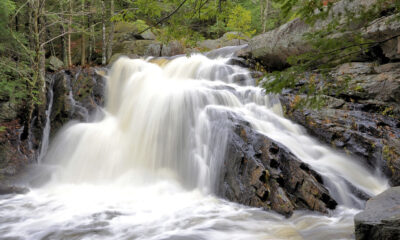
46,131
148,168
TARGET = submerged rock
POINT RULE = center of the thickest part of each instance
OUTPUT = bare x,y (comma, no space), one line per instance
261,172
381,217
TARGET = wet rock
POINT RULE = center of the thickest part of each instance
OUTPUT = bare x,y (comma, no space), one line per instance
260,172
4,189
77,94
363,120
381,217
15,152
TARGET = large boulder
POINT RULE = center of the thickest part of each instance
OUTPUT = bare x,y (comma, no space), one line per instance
54,64
228,39
381,217
172,48
274,47
260,172
77,94
386,29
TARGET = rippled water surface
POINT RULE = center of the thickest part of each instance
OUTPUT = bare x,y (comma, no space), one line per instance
159,211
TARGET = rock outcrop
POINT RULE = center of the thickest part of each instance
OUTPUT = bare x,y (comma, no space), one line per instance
260,172
6,189
363,120
228,39
77,94
274,47
381,217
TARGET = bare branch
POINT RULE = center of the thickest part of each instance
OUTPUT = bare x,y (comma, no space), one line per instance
166,17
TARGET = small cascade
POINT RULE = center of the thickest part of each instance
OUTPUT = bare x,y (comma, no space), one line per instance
47,127
76,106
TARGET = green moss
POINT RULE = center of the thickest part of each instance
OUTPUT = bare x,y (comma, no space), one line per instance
389,155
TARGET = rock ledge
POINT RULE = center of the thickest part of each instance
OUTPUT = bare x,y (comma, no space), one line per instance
381,217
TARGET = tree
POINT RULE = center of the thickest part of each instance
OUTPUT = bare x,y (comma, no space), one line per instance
240,20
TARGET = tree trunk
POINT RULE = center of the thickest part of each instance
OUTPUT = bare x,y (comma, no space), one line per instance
69,33
42,61
83,43
103,21
111,33
91,29
265,16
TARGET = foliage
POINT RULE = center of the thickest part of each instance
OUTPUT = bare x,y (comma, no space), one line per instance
240,21
332,45
13,74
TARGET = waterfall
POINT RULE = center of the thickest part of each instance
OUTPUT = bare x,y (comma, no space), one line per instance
149,166
47,127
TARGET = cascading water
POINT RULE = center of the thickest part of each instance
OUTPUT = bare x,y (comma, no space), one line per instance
46,131
148,167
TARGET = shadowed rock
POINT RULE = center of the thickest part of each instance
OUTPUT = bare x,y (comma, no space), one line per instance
260,172
381,217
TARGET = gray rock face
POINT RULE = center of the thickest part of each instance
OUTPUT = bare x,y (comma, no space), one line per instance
260,172
5,189
154,49
172,49
8,110
274,47
386,28
228,39
363,120
381,217
77,93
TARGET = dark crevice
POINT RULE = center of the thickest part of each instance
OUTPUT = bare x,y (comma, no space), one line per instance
329,202
263,177
304,167
318,178
274,150
280,181
265,196
273,163
242,163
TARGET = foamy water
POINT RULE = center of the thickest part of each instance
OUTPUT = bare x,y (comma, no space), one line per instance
147,168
